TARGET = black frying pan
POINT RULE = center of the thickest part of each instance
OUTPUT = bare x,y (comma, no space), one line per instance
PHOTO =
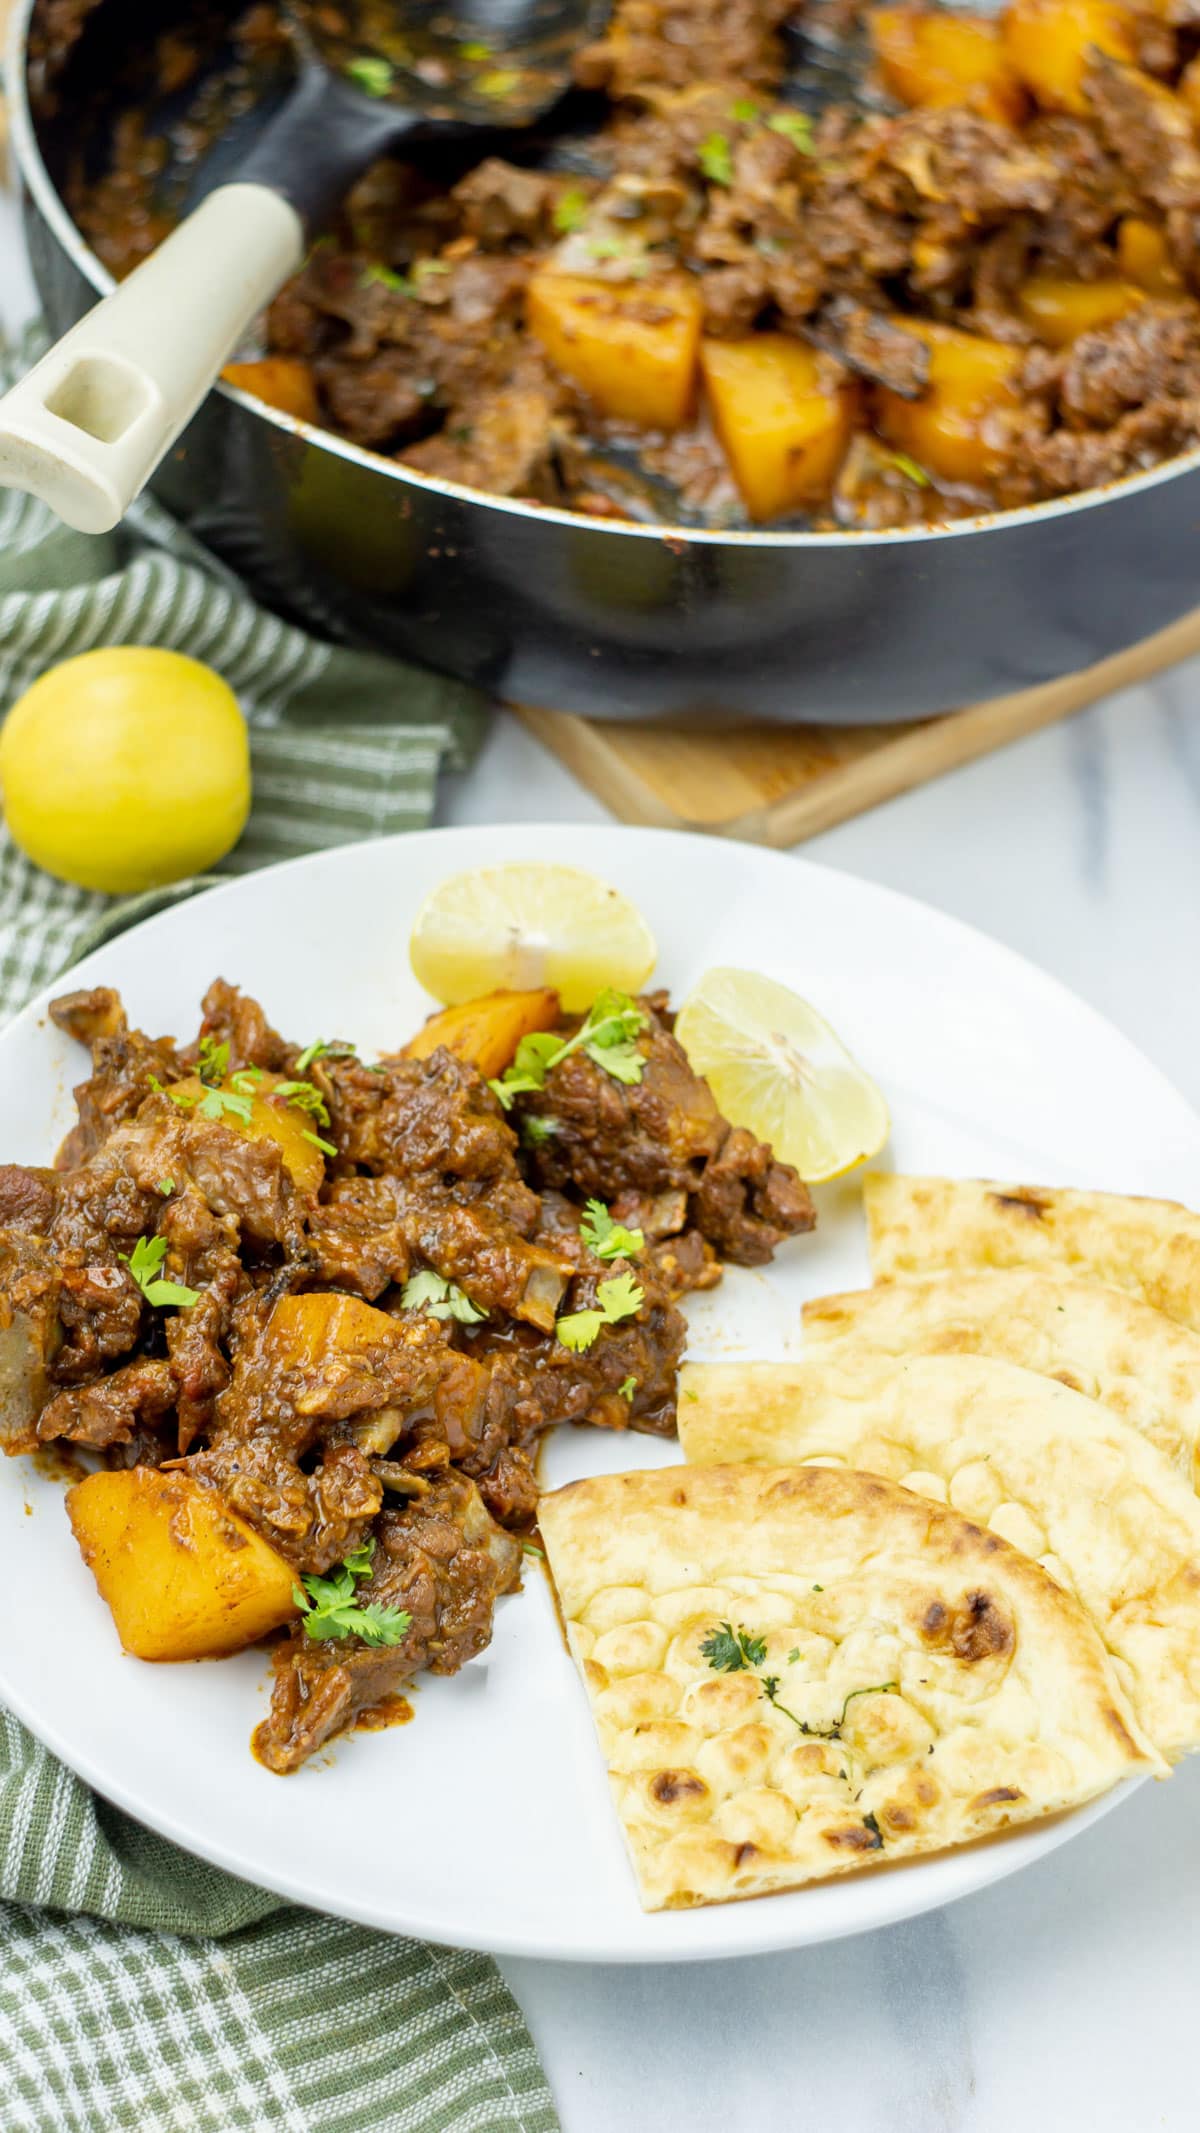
609,619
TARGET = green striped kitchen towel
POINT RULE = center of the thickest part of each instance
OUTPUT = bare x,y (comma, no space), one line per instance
140,1988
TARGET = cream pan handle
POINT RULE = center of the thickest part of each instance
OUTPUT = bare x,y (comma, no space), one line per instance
89,424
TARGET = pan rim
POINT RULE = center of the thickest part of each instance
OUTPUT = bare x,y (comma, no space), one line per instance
36,182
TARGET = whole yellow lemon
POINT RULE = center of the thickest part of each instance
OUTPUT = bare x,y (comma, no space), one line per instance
126,768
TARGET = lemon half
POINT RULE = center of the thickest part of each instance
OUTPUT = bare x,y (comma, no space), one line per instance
776,1067
528,924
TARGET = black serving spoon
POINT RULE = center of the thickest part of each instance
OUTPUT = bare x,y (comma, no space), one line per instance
87,426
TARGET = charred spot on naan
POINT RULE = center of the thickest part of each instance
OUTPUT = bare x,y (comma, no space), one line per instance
977,1627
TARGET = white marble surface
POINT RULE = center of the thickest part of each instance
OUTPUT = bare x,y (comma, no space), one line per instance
1063,1998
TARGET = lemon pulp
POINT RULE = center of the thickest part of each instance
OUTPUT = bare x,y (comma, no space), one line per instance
776,1067
527,924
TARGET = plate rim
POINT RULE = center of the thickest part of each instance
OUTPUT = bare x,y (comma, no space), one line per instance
1025,1846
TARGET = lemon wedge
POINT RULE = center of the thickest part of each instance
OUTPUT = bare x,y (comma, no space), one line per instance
776,1067
529,924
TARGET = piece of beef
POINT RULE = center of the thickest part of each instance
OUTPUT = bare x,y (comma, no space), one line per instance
500,202
246,1180
874,346
232,1017
467,1243
443,1563
1090,191
28,1198
665,1133
125,1066
1148,130
314,1517
624,1379
415,1115
109,1409
358,1239
1151,354
377,403
650,44
198,1364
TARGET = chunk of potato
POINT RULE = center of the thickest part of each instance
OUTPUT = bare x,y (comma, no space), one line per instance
271,1119
970,380
1048,43
1060,310
632,347
313,1331
932,58
185,1578
284,382
783,416
1144,256
487,1031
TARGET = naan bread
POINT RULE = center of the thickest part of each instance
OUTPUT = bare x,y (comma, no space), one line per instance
1098,1340
1057,1475
949,1686
1150,1247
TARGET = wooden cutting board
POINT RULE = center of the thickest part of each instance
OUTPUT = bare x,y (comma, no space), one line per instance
780,784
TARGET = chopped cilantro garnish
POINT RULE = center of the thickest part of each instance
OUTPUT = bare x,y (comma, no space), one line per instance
626,1389
606,1035
606,1238
535,1131
570,210
387,278
304,1097
218,1102
373,76
715,158
213,1104
440,1298
246,1080
527,1548
212,1064
729,1650
165,1186
330,1608
744,111
796,127
314,1139
145,1264
324,1048
616,1299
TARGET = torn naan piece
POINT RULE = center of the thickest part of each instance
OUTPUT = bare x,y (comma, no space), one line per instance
1055,1474
1150,1247
798,1672
1098,1340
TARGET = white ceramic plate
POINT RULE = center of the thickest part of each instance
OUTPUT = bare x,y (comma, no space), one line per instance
486,1822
